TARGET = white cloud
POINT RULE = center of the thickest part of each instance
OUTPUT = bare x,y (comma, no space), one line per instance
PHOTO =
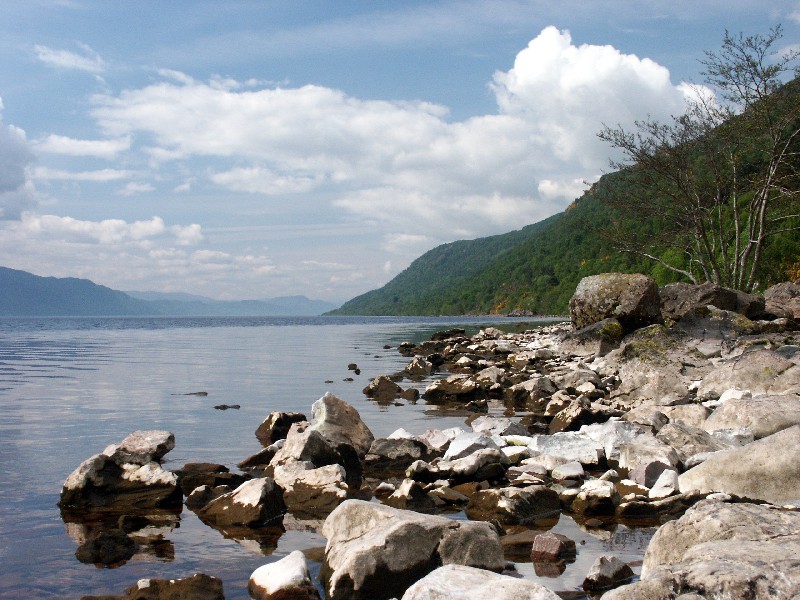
99,175
85,59
403,164
17,193
59,144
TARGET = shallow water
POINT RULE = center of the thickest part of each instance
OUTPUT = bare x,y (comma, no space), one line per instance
70,387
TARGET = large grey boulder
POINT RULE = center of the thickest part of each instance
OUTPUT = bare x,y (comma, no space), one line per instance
252,504
785,296
688,441
311,446
340,423
759,370
767,469
458,582
721,550
763,415
374,551
467,443
679,299
126,477
631,299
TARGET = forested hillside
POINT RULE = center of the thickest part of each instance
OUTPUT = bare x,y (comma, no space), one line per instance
534,270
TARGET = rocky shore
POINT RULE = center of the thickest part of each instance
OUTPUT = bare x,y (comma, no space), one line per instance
678,407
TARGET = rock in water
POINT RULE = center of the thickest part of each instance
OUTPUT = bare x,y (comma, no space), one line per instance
468,583
196,587
607,572
376,552
340,423
631,299
126,477
253,503
286,579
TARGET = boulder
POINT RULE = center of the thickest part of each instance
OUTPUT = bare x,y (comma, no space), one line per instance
467,583
646,457
575,415
252,504
679,299
631,299
570,446
196,587
688,441
666,485
551,547
410,495
141,447
722,550
383,389
455,388
502,426
607,572
311,492
768,469
340,423
105,482
489,464
785,296
375,551
276,426
513,506
763,415
597,339
286,579
313,447
709,323
419,367
391,456
596,497
193,475
757,370
467,443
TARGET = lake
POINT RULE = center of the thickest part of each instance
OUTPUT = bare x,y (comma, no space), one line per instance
71,386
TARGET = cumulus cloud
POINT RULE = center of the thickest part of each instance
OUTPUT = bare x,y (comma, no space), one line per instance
85,59
106,232
404,164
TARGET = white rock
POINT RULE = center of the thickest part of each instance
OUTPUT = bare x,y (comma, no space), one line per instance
288,575
666,485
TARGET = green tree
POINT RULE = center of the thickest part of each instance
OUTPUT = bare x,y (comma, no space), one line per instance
720,179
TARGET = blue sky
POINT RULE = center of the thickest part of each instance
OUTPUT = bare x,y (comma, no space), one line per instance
245,149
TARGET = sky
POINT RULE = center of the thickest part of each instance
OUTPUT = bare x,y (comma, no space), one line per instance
251,149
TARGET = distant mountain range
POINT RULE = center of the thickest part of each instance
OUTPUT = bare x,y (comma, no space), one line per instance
26,294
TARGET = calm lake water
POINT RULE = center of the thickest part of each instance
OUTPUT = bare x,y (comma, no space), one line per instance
70,387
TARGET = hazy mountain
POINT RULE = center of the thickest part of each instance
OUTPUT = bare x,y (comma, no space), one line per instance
25,294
